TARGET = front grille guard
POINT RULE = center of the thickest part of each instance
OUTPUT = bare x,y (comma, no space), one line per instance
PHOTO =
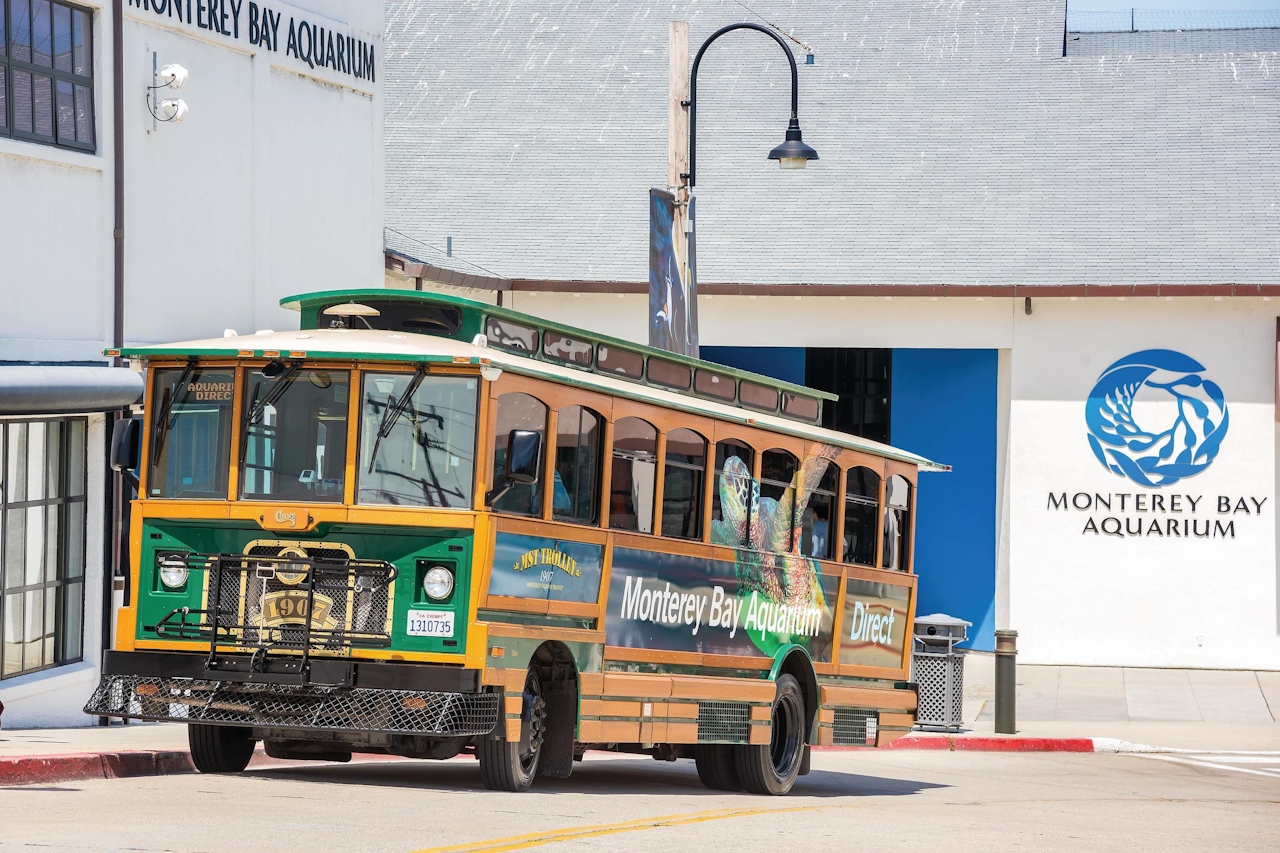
222,622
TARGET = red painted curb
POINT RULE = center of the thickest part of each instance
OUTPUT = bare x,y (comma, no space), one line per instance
993,743
78,766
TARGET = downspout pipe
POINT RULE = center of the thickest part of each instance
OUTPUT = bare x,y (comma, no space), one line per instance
114,499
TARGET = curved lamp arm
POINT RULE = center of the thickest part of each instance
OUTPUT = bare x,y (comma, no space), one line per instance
693,90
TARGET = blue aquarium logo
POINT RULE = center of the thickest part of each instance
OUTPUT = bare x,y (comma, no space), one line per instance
1156,454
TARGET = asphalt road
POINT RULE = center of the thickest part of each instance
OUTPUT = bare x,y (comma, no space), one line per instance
852,801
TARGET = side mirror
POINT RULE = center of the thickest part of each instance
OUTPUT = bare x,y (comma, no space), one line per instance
524,451
126,448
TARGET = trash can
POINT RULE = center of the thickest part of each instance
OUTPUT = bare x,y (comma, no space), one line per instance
937,668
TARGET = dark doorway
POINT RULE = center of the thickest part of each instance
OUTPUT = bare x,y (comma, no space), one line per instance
861,377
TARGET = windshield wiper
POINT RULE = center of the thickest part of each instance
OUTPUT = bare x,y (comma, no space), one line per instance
395,408
282,385
257,407
163,421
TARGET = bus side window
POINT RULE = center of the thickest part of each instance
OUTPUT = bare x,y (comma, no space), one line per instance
820,514
518,411
731,496
777,499
897,499
861,514
635,472
577,475
683,476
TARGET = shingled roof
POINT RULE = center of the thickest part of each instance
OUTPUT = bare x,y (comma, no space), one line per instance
959,146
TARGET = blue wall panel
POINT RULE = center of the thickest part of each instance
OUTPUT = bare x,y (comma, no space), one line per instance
785,363
943,406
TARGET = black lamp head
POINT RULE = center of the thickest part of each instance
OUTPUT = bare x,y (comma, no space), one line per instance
793,153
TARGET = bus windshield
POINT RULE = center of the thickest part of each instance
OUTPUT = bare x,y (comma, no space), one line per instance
294,434
191,433
417,440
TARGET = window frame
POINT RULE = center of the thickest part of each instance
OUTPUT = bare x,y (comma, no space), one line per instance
65,499
8,63
597,490
906,530
659,454
490,474
829,468
877,503
699,496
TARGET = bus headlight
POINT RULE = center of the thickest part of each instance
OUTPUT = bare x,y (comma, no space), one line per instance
173,571
437,583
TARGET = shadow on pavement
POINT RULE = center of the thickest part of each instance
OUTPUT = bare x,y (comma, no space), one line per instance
609,776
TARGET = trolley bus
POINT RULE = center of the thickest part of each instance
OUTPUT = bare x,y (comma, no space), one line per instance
424,526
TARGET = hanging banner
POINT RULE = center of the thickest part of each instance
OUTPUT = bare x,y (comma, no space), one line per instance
673,305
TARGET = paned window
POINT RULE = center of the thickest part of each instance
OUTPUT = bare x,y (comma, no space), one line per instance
897,512
819,515
518,411
46,73
777,484
620,361
42,543
191,419
861,515
417,440
731,496
577,484
635,473
294,435
683,479
861,378
560,347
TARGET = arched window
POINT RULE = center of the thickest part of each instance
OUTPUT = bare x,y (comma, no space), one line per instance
777,483
819,516
518,411
897,511
635,473
861,508
683,478
731,496
577,478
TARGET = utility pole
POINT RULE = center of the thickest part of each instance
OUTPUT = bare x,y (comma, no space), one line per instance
678,146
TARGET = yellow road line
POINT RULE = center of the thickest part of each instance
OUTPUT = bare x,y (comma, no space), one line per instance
551,836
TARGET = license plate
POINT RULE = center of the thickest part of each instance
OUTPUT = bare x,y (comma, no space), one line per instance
430,623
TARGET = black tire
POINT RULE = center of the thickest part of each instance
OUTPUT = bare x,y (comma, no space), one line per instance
512,766
716,767
219,749
773,769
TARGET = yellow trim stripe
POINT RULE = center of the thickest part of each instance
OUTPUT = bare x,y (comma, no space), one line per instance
552,836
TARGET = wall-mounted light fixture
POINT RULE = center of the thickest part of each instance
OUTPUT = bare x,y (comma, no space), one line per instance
169,110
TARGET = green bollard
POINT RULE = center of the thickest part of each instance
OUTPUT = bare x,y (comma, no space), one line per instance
1006,682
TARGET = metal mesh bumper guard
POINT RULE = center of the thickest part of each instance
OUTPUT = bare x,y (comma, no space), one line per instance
292,706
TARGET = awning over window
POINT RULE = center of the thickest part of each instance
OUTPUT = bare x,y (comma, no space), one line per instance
61,389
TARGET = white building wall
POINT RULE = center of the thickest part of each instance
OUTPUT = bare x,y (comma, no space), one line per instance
271,186
1081,597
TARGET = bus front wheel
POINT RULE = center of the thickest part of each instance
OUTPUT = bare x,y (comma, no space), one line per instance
219,749
772,769
715,767
511,765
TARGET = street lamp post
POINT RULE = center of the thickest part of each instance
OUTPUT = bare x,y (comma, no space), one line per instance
674,302
793,153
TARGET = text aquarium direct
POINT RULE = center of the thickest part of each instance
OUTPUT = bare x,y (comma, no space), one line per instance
423,526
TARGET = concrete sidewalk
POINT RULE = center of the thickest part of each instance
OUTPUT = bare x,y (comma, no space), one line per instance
1176,708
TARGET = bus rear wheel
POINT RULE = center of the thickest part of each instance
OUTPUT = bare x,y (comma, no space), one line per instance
716,767
219,749
511,765
772,769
